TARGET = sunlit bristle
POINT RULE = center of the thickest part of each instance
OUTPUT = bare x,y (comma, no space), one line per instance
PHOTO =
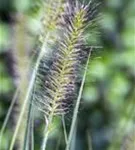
56,86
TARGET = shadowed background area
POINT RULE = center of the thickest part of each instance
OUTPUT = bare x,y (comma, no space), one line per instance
106,119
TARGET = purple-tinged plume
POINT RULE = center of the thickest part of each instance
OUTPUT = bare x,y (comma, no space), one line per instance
56,79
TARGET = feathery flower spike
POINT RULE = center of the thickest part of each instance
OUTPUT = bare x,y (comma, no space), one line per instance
57,77
56,82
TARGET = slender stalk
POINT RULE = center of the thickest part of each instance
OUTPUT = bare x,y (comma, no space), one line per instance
58,143
64,128
8,115
32,137
46,132
77,107
29,134
28,94
32,131
89,140
29,126
73,143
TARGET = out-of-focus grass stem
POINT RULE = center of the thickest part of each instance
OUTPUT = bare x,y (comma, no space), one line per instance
8,115
31,84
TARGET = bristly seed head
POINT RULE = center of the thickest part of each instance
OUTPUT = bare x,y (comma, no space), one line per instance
56,86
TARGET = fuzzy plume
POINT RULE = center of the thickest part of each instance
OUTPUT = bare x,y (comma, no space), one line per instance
52,10
56,82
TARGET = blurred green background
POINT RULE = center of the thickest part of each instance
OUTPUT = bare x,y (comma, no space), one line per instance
107,111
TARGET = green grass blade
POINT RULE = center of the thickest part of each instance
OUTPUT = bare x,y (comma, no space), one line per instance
8,115
77,107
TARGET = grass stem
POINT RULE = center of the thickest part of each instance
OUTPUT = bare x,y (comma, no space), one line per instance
32,81
77,107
